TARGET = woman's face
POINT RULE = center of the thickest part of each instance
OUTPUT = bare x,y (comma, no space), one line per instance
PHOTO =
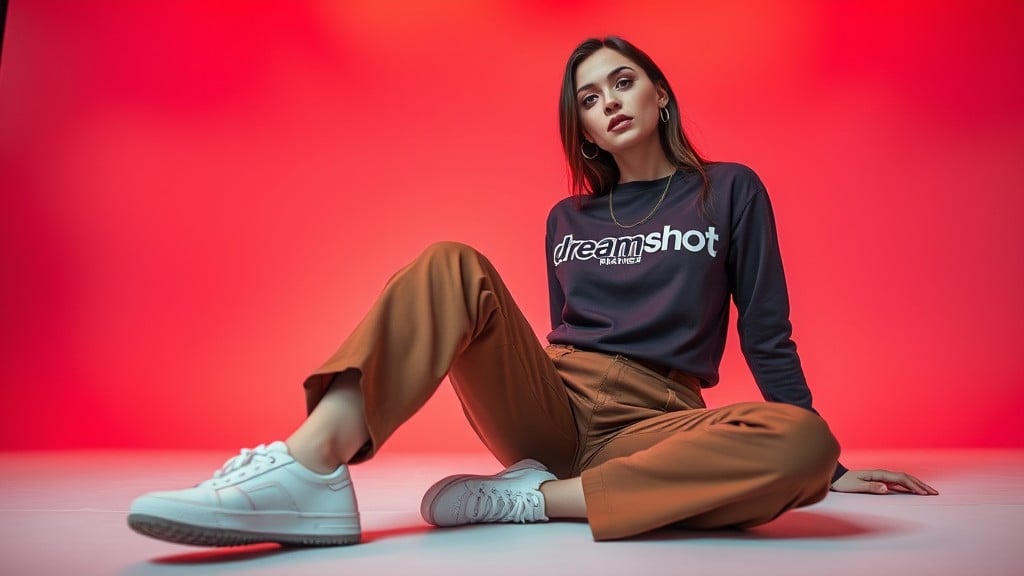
617,103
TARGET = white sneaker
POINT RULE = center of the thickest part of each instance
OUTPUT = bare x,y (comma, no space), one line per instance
261,495
512,495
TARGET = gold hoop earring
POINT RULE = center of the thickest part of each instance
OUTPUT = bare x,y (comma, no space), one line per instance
664,114
583,150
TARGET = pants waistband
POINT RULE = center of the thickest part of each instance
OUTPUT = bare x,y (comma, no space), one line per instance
670,373
678,376
656,368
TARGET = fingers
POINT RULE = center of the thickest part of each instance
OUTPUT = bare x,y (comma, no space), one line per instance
900,482
916,486
878,488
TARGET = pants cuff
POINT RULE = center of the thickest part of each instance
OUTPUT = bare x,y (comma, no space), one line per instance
599,509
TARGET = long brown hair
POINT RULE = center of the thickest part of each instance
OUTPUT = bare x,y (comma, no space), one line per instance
599,175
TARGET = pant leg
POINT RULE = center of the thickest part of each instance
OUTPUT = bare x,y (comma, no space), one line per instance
654,456
449,313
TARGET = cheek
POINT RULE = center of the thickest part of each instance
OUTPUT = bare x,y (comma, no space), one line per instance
591,123
644,98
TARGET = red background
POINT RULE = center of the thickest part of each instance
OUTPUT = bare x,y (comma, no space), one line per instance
200,199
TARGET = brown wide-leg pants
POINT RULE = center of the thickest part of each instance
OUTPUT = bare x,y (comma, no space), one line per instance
649,452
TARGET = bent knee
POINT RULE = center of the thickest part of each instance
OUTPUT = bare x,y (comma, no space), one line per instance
448,255
453,264
447,248
812,449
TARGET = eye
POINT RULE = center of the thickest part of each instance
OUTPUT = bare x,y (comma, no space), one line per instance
589,100
623,83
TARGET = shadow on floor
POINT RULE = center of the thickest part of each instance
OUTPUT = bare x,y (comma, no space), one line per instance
258,551
225,555
795,524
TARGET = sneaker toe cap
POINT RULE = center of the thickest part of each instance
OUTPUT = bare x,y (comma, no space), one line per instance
172,504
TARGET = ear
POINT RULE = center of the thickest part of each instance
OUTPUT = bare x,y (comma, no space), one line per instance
662,95
587,137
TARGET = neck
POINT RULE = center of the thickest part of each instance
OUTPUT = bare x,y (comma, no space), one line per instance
641,163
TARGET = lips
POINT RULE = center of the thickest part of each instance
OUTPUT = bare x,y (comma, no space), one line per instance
618,119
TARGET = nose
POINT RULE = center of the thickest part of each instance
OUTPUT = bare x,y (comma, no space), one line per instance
611,104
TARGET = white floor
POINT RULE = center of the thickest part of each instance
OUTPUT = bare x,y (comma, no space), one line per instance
65,513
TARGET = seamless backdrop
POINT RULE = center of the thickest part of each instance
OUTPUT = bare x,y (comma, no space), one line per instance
200,199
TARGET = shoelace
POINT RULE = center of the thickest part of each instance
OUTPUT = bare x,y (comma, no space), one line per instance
494,505
260,453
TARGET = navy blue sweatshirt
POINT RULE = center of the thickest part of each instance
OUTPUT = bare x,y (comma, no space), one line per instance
660,291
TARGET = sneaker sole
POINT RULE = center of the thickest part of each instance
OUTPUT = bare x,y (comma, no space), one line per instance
180,533
427,505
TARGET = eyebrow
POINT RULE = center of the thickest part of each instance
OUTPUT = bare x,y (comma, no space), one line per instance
611,74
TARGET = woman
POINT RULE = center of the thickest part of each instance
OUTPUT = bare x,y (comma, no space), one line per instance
607,423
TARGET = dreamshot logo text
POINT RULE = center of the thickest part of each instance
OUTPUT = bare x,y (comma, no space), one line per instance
610,251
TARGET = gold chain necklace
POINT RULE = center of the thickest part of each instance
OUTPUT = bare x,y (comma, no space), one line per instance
611,209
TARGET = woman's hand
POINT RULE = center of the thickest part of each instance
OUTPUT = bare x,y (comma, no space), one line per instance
881,482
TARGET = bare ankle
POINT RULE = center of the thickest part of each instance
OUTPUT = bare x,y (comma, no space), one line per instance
318,459
335,430
564,498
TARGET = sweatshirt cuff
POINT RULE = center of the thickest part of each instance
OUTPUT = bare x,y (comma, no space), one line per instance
840,470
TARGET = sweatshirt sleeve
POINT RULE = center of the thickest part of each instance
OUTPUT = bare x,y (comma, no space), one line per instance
556,298
758,287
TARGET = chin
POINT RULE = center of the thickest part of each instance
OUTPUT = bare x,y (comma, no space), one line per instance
629,142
